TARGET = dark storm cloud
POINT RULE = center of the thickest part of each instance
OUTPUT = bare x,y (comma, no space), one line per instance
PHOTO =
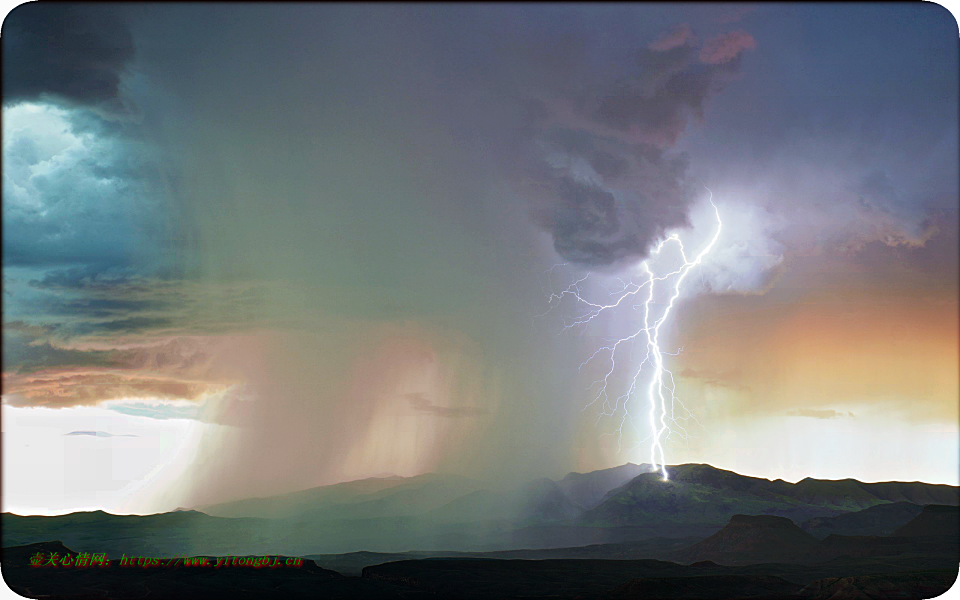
582,218
604,182
66,54
596,225
608,163
665,90
86,200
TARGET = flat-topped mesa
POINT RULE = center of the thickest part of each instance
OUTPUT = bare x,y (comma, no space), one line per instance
935,520
749,539
750,532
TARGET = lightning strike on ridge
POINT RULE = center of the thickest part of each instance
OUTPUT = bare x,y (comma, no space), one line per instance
662,415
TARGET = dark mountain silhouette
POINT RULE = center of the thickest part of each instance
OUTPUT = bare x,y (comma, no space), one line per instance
935,521
922,572
653,579
449,513
881,519
544,500
294,503
709,496
751,539
485,578
412,496
180,532
207,583
697,500
873,587
589,489
540,501
352,563
845,494
835,547
718,587
450,498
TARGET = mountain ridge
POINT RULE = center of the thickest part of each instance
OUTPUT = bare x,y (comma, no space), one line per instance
446,512
703,493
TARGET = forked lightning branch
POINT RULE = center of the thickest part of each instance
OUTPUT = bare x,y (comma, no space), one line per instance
651,301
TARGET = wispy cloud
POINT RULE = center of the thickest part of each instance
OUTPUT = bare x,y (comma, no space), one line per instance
45,375
820,413
727,379
157,411
100,434
421,403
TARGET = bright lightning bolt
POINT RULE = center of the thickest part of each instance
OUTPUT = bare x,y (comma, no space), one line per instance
661,386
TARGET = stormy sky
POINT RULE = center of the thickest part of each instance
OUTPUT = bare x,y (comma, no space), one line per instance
262,248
